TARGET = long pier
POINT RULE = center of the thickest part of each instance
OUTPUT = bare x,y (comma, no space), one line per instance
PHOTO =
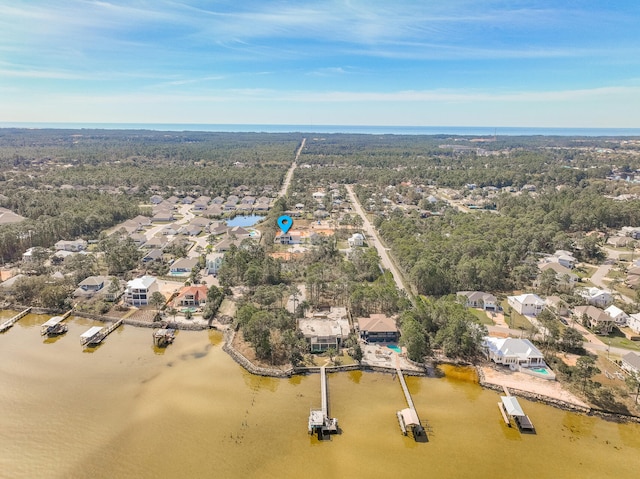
408,418
319,420
97,334
10,322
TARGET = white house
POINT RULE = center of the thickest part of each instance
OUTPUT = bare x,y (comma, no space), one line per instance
479,299
631,362
526,304
214,261
565,258
619,316
74,246
513,351
139,290
357,239
596,297
634,323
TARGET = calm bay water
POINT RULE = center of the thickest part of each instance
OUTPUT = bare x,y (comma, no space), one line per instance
127,410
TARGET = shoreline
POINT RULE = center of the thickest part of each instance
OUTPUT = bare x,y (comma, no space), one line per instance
427,371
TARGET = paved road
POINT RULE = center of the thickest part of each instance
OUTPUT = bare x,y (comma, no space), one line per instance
289,175
373,237
603,270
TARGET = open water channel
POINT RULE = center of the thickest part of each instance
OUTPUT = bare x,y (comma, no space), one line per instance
127,410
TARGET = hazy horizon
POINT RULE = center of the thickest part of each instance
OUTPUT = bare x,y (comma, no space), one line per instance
524,63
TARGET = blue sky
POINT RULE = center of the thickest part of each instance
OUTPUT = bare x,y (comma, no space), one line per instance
571,63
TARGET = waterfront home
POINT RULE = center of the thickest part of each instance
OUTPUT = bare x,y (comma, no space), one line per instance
619,316
90,286
139,290
191,296
596,297
594,318
631,362
378,328
478,299
526,304
513,351
325,329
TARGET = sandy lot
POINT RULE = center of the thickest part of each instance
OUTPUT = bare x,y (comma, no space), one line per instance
525,382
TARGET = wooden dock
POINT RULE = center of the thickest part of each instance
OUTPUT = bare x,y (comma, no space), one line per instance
510,409
408,418
54,326
319,420
95,335
10,322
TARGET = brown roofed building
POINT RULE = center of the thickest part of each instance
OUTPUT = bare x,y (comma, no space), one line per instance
378,328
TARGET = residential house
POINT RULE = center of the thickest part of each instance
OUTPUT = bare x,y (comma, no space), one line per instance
526,304
201,203
513,352
173,200
91,286
557,304
200,221
138,238
183,266
188,200
163,216
73,246
225,244
325,329
239,232
619,316
596,297
564,277
171,229
633,322
157,242
214,211
594,318
190,296
217,229
156,199
619,241
138,291
565,258
9,286
153,256
631,362
479,299
378,328
357,239
142,221
218,200
213,263
190,230
9,217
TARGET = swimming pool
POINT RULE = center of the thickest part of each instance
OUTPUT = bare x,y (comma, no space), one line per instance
539,370
394,348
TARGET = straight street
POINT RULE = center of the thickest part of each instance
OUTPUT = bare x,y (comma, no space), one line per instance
372,237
